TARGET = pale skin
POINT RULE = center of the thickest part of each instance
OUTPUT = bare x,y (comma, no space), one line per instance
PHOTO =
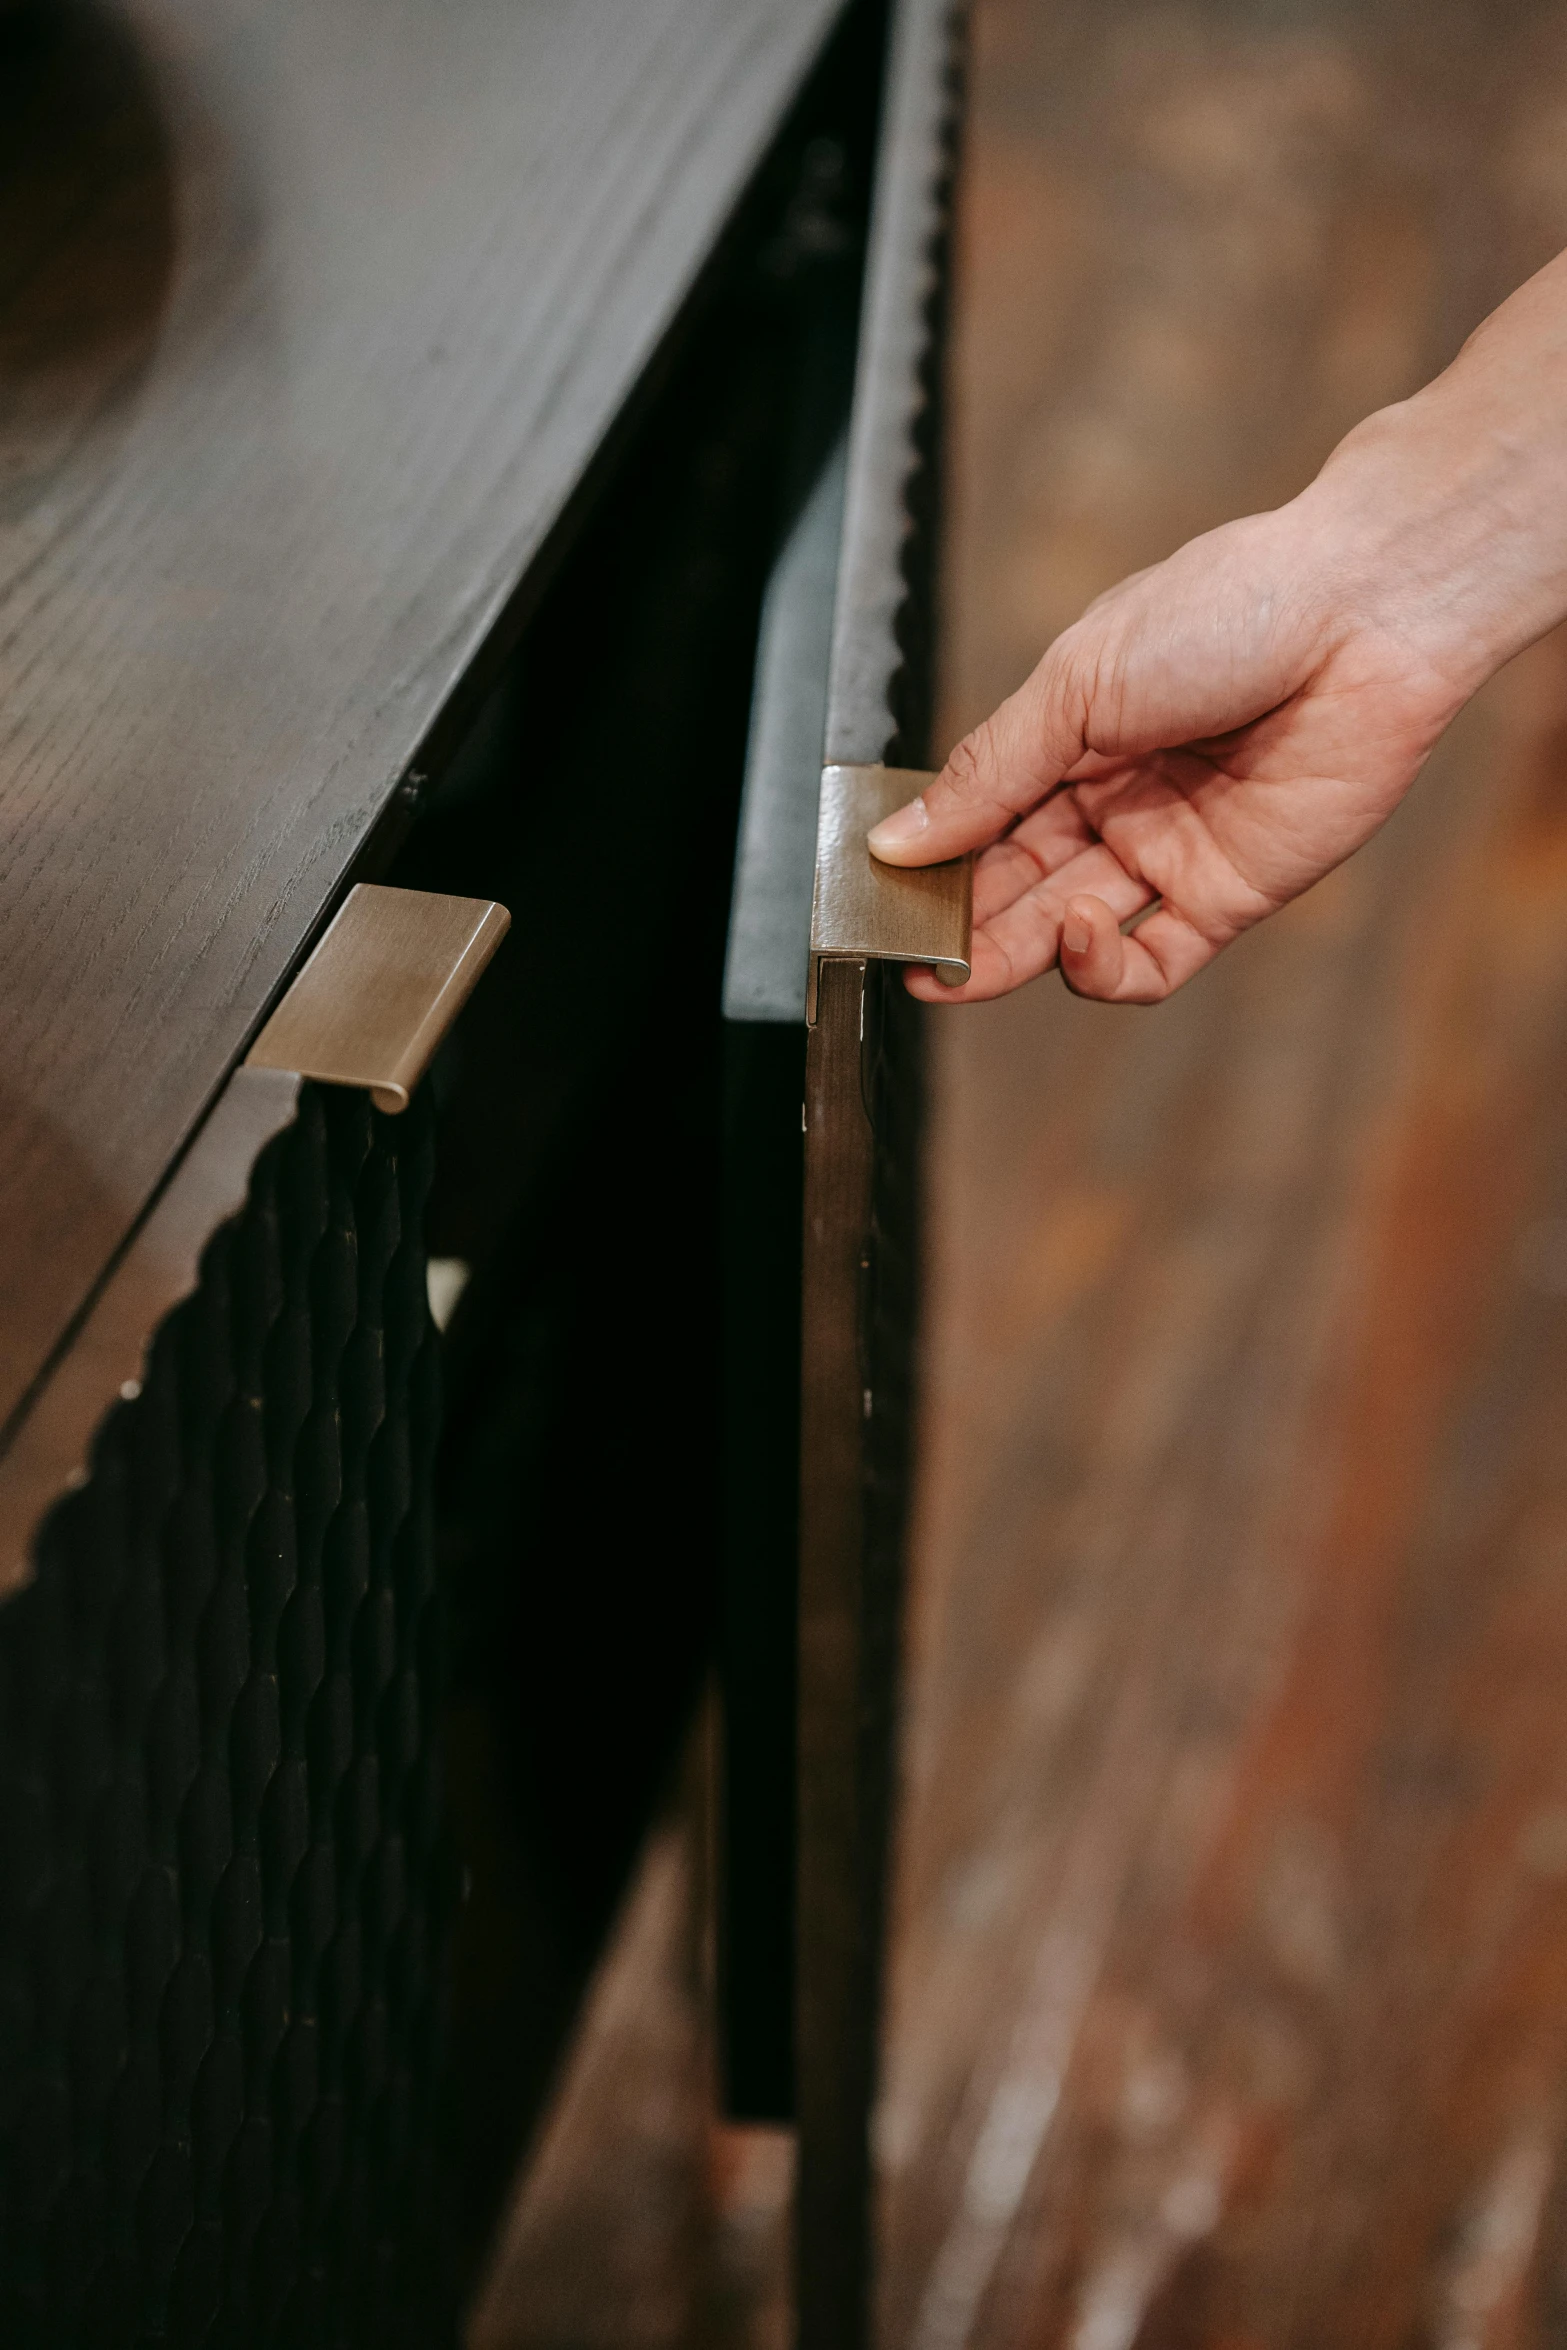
1218,732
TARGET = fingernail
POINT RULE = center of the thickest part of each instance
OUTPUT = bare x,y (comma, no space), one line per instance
902,825
1076,935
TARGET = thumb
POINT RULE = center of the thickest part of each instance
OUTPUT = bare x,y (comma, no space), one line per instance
1008,764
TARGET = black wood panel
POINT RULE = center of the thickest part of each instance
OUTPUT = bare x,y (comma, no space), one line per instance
226,1886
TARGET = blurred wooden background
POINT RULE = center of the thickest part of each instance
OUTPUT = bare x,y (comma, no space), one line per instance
1229,2004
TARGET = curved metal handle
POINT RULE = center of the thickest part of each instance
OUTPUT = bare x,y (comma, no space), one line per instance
389,975
865,911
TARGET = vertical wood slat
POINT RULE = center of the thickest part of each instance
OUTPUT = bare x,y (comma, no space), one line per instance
861,1183
862,1117
835,2005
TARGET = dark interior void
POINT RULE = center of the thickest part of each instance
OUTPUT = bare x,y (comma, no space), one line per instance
583,1508
764,1180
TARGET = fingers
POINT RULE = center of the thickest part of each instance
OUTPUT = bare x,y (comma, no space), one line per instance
1004,767
990,975
1160,956
1027,934
1043,845
1080,929
1093,952
1021,935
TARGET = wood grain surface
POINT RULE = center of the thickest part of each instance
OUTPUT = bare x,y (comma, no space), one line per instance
841,1776
1231,1955
312,322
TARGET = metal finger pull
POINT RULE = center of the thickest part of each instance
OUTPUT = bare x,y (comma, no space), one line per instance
386,980
863,910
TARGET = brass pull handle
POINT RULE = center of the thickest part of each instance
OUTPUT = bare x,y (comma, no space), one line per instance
385,981
863,910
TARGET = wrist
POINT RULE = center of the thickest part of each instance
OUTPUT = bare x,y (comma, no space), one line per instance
1440,527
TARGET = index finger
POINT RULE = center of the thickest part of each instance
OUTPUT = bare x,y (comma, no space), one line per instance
1004,767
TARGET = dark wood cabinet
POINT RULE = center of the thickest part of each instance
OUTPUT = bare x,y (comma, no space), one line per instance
433,446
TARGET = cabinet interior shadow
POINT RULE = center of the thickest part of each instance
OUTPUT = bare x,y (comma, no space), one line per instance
581,1116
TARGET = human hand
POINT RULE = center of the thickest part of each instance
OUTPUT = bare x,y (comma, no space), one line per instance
1218,732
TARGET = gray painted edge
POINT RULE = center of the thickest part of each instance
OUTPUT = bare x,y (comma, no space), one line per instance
775,859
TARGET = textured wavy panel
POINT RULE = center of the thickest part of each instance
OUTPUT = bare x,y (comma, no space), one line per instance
222,1876
879,692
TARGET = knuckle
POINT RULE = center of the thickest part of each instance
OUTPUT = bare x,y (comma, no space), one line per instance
973,772
1071,676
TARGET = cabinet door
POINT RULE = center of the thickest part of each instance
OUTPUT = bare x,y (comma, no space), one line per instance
862,1127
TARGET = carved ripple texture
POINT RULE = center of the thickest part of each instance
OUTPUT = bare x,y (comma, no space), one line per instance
222,1868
